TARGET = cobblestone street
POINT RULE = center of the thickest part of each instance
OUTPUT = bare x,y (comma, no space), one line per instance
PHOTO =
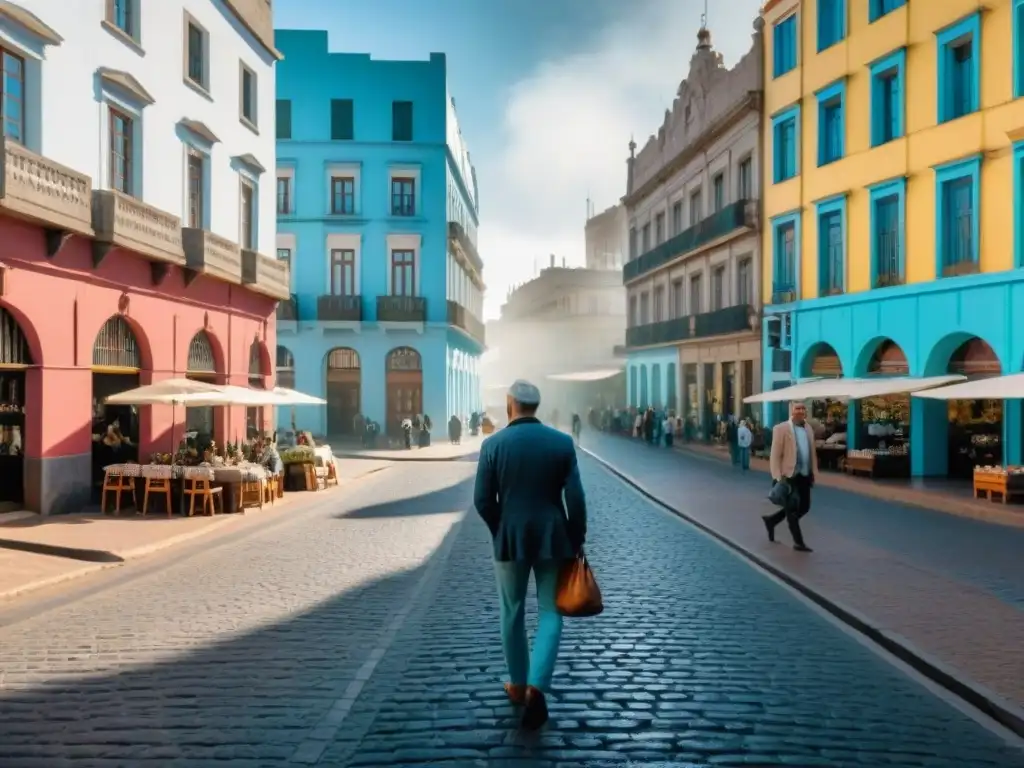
364,632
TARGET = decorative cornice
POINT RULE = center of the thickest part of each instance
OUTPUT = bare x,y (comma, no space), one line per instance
200,129
250,160
127,82
30,21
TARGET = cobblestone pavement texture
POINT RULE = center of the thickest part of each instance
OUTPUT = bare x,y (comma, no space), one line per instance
249,653
233,653
697,659
952,587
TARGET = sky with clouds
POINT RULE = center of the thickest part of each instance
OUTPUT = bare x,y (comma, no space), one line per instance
548,93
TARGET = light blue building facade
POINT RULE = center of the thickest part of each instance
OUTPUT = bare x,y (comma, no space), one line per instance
377,212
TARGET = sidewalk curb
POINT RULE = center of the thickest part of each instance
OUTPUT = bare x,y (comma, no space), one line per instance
363,457
991,704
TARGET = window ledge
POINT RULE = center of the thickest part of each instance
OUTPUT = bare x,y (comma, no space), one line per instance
346,218
123,36
249,124
197,87
416,219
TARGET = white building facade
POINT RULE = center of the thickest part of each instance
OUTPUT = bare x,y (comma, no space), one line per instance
693,307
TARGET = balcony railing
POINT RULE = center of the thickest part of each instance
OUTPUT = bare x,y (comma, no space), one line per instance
783,293
722,321
401,309
781,361
460,238
288,309
462,318
266,275
210,254
121,220
339,309
734,216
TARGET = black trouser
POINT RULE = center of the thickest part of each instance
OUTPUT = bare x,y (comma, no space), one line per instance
795,509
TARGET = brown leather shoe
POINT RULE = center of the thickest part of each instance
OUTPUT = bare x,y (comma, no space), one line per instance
536,713
516,693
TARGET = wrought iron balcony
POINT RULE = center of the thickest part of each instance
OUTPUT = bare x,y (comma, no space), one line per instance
463,244
401,309
783,293
288,309
735,319
738,215
339,309
462,318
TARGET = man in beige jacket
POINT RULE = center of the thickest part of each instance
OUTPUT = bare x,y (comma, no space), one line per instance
795,460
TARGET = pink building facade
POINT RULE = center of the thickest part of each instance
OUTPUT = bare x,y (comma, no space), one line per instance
79,305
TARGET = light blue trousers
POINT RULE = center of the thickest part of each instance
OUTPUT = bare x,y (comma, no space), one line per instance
525,667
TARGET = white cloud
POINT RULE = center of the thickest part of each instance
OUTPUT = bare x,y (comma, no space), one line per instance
567,126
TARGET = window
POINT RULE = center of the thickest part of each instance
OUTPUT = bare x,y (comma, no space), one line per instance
122,152
632,243
745,182
284,118
695,207
786,141
403,273
659,304
887,76
744,282
677,218
401,121
785,258
195,54
247,95
831,22
831,246
696,289
343,195
831,122
645,238
343,272
246,217
959,57
1018,49
121,14
403,196
718,192
958,209
879,8
887,216
645,308
342,120
785,46
678,309
718,288
285,255
284,195
632,312
196,181
659,229
12,96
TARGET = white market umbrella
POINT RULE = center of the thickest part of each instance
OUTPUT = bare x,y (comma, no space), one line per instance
1009,387
294,397
166,392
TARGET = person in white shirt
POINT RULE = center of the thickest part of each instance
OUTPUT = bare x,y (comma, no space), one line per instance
744,439
666,430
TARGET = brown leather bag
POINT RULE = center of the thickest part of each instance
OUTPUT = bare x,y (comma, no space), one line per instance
578,594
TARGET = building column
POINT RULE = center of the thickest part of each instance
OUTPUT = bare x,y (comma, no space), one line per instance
1013,425
929,437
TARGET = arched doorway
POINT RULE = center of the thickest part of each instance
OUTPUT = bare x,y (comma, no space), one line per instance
254,416
975,426
285,368
822,361
888,359
116,363
404,381
827,417
15,358
882,423
344,384
201,366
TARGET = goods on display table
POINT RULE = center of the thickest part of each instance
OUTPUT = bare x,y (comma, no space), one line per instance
1005,481
881,462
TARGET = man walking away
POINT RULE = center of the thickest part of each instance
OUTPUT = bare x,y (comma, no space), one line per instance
731,432
577,427
523,473
793,460
744,439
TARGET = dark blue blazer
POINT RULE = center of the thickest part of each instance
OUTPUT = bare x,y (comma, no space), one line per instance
523,473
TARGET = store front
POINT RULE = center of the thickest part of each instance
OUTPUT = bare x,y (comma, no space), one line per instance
15,359
403,370
880,423
344,390
254,416
200,421
116,367
975,427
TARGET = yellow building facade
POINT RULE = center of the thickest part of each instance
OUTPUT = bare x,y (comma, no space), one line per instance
893,195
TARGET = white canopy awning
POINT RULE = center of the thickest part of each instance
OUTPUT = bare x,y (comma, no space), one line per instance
898,385
994,388
833,389
598,375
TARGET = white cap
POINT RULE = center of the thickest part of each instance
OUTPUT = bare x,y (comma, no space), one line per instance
524,392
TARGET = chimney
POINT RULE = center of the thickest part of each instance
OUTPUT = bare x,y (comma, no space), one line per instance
552,261
563,262
629,166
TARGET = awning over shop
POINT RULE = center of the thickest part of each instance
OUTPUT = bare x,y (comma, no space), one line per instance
834,389
993,388
598,375
898,385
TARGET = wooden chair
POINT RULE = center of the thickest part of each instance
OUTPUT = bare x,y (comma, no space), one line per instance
332,473
202,486
251,492
271,488
116,483
162,487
